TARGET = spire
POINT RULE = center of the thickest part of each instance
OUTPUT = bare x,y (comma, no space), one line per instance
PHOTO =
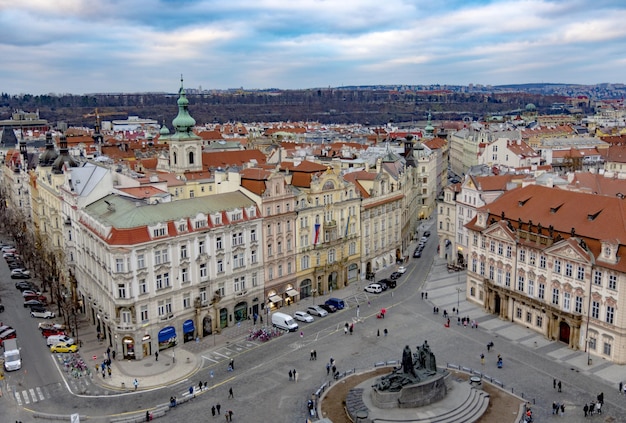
430,129
183,122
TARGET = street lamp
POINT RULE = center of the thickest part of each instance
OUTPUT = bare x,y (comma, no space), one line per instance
314,292
458,299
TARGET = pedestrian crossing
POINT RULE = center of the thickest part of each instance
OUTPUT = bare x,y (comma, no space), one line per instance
29,396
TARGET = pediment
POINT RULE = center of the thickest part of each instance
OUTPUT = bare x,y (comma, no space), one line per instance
499,230
569,250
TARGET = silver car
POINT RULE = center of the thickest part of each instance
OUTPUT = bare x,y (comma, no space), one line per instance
317,311
303,316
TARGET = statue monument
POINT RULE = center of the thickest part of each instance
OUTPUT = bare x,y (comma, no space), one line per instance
415,383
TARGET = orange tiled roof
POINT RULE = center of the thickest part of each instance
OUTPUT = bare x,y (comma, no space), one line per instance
617,154
224,159
492,183
143,192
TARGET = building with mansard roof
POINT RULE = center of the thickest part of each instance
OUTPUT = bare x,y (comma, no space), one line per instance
551,260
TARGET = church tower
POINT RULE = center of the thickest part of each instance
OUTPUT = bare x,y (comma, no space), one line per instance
185,152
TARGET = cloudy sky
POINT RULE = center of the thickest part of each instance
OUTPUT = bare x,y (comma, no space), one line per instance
87,46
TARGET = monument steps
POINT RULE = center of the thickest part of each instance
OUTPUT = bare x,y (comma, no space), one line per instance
468,410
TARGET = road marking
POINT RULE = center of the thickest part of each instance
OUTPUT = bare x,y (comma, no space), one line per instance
26,397
216,353
32,394
18,398
210,359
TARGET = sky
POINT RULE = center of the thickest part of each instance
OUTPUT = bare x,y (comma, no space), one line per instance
100,46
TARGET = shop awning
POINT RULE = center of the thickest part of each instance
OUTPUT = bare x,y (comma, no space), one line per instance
167,333
292,292
275,298
188,326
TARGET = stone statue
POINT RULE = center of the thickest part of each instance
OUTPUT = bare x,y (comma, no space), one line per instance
407,361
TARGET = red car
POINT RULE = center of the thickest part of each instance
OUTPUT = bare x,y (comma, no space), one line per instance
7,334
49,332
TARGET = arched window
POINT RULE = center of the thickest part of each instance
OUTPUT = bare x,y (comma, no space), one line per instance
191,157
175,161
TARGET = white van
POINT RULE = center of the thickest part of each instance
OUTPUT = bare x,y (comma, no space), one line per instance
57,339
284,321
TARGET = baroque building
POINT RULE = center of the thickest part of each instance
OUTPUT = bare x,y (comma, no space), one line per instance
550,260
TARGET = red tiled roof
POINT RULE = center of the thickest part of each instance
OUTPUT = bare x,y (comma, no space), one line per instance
492,183
303,166
224,159
617,154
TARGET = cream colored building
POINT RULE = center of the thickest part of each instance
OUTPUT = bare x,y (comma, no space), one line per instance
549,260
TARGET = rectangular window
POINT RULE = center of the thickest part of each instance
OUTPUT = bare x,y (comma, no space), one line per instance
119,265
203,298
238,261
203,272
529,317
539,321
183,251
607,349
201,247
491,272
532,258
568,269
161,308
595,309
555,296
482,268
121,290
144,313
520,283
500,249
613,282
141,261
218,243
557,266
597,277
220,266
542,291
522,255
580,273
475,240
509,251
187,301
492,246
578,305
239,284
518,312
531,288
254,279
610,314
483,242
542,261
143,287
507,279
168,306
253,256
253,235
184,275
499,277
592,343
566,301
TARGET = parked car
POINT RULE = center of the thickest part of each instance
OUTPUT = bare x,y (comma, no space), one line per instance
24,285
41,298
33,303
383,284
59,339
20,270
41,313
7,334
27,292
51,332
427,234
373,288
329,308
395,275
424,239
317,311
20,276
401,269
417,253
64,347
303,316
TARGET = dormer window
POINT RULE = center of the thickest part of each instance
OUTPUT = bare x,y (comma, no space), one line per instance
200,224
236,215
157,232
217,219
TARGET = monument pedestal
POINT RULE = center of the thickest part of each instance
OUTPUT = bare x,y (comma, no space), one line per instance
415,395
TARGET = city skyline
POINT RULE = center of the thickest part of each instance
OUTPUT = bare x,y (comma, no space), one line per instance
81,46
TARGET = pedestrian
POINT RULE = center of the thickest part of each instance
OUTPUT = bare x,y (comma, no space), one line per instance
218,407
314,355
205,384
301,334
230,393
327,369
103,376
482,359
422,295
345,329
592,408
559,385
200,386
621,387
598,408
586,409
385,331
445,313
332,361
311,357
378,332
334,369
191,391
156,356
136,384
351,328
601,398
147,415
453,310
553,383
458,321
295,375
554,407
290,375
261,319
426,295
232,364
434,310
213,411
109,371
562,409
230,415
